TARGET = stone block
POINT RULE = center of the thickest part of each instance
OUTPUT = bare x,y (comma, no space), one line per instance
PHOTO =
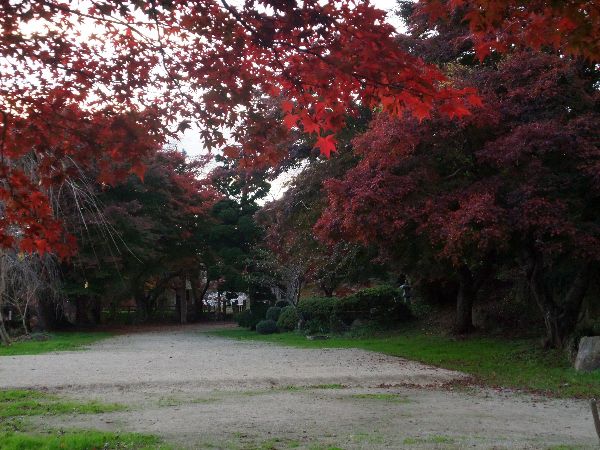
588,355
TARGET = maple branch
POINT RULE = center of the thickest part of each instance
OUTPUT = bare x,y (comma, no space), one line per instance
103,17
4,133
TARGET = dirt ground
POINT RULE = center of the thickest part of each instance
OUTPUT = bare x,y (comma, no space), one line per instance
198,391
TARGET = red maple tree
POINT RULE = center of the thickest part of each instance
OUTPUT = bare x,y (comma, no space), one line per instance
85,75
571,26
113,79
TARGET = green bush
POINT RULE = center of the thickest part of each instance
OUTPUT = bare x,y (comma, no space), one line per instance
266,327
382,304
316,313
288,319
350,308
273,313
250,317
243,318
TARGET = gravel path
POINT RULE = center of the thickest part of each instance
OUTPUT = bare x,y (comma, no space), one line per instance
200,391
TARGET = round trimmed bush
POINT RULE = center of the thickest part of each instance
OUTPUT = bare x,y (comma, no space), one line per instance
288,319
316,312
244,318
250,317
273,313
266,327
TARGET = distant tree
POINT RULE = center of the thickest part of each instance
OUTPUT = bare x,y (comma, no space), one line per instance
297,256
136,237
234,231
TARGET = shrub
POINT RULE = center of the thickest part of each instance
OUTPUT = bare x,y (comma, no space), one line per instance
386,303
266,327
316,312
250,317
382,304
350,308
288,319
273,313
243,318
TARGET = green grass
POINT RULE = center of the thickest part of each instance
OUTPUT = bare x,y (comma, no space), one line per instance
57,342
16,434
78,440
20,403
492,361
328,386
394,398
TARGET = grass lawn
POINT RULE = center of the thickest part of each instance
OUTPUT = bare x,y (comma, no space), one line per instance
16,434
57,342
494,362
20,403
78,440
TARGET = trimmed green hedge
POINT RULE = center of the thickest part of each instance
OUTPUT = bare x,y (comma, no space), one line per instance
380,304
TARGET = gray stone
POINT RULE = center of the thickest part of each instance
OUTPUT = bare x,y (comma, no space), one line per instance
588,356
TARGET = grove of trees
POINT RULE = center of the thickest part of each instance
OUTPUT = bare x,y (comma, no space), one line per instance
461,157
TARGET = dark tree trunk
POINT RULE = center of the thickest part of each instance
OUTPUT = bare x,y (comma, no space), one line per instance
464,301
4,337
47,314
560,318
182,304
81,313
199,299
95,312
141,311
327,290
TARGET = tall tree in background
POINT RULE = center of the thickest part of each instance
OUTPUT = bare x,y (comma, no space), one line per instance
234,231
513,184
300,257
135,238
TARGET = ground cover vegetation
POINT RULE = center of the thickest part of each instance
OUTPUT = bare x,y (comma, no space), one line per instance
52,342
454,164
16,433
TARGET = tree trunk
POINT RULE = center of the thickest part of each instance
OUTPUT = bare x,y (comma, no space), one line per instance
327,290
81,316
46,313
141,313
560,319
464,301
199,299
181,295
4,337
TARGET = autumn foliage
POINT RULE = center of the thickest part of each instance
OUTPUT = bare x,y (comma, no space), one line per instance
111,80
571,27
